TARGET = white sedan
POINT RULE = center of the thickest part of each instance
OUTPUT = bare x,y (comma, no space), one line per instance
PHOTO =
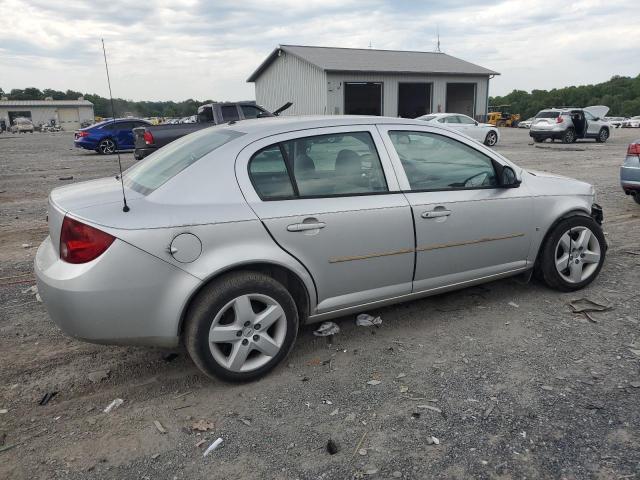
483,132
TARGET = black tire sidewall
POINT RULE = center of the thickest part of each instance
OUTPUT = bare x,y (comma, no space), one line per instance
547,261
487,142
115,146
599,139
569,136
213,298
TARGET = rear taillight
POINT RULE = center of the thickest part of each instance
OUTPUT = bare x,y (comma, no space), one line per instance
82,134
80,243
634,149
559,119
148,138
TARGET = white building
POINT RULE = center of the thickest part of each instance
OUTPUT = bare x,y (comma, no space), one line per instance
323,80
69,114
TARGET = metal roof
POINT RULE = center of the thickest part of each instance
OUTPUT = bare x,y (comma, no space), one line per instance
45,103
370,60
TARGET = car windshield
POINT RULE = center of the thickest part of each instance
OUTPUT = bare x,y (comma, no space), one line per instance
171,159
548,114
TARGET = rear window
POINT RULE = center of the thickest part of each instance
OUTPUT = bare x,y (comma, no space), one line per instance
547,114
171,159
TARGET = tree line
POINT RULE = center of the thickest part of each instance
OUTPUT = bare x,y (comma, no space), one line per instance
102,106
620,94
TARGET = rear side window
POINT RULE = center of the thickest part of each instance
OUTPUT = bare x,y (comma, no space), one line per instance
320,166
249,111
171,159
229,113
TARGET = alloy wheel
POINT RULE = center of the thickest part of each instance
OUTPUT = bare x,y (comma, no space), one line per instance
247,332
603,135
107,146
578,254
492,138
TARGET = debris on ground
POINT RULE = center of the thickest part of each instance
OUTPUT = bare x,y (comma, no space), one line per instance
359,444
335,412
366,320
159,426
332,447
113,405
170,357
430,407
401,375
26,245
404,389
98,376
370,470
514,304
155,456
584,305
363,452
326,329
212,447
246,421
202,425
201,442
488,411
47,398
3,411
433,441
374,382
548,388
70,177
635,384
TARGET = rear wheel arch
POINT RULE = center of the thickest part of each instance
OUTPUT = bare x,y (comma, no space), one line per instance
289,279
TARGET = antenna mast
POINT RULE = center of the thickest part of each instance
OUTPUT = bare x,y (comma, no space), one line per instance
125,208
438,44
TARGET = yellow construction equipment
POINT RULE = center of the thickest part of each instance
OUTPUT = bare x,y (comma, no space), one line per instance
500,116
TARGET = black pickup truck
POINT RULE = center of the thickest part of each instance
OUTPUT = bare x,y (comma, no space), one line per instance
149,138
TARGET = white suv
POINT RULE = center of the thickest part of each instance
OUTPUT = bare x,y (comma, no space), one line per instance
569,124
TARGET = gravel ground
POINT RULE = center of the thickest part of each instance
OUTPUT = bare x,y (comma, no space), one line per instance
510,382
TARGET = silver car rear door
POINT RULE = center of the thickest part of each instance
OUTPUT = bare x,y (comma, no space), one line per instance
462,234
358,246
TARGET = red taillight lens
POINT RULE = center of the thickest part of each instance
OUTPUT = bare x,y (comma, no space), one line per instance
80,243
559,119
82,134
634,149
148,138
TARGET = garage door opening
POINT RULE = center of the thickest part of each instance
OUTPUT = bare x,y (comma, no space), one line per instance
461,98
14,115
362,98
414,99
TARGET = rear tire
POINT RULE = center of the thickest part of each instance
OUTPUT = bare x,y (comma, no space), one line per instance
227,339
569,136
106,146
538,140
603,135
573,254
491,139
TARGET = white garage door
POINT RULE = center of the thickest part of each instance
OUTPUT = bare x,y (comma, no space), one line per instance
69,118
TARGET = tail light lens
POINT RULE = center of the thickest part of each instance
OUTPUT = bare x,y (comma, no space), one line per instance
559,119
81,134
80,243
634,149
148,138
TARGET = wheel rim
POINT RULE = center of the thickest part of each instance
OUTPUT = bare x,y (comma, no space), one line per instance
247,332
491,139
603,135
107,146
578,254
569,136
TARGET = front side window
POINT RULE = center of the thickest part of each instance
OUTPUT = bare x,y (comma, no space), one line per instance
466,120
168,161
436,162
321,166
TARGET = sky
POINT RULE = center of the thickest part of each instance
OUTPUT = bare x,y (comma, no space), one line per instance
179,49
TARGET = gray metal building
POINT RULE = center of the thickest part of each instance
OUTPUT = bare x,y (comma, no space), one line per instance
325,80
69,114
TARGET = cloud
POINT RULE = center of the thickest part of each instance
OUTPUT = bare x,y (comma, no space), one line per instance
176,49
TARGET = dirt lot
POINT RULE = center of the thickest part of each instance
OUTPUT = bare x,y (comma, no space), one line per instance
523,388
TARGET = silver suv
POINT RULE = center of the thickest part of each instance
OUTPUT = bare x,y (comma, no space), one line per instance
569,124
237,234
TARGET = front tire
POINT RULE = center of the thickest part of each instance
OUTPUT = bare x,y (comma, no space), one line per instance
636,197
603,135
106,146
573,254
569,136
538,139
241,326
491,139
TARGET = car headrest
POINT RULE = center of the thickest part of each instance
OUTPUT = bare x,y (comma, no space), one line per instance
304,163
348,162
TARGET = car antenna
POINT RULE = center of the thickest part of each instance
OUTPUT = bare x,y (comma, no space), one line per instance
113,112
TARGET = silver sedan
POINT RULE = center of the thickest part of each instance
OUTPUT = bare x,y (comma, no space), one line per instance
238,234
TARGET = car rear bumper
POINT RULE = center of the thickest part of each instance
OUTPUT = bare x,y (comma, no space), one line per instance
126,296
545,133
88,145
140,153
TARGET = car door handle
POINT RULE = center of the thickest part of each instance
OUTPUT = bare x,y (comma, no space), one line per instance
303,227
436,213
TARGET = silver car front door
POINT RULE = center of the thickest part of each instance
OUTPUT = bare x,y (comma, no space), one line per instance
330,198
467,226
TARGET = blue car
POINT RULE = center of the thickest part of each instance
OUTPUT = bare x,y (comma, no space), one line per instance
109,136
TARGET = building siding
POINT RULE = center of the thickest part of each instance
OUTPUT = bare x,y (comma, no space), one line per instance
335,90
289,79
42,115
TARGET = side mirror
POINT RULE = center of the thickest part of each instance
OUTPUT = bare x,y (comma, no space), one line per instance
476,123
508,178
